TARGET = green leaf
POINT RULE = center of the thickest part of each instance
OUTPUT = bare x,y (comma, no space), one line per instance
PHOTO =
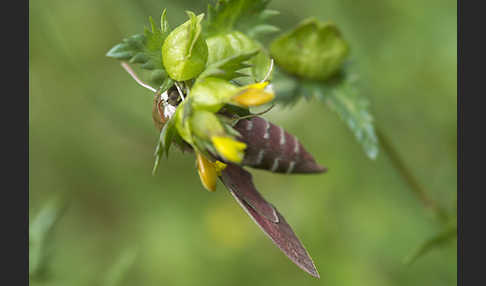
40,236
247,16
436,241
229,68
165,141
262,29
353,108
341,95
313,50
185,52
145,49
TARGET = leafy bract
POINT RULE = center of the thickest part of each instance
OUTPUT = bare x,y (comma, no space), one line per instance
247,16
229,68
145,49
236,55
312,50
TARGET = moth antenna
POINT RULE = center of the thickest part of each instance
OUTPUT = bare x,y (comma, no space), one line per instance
132,73
269,71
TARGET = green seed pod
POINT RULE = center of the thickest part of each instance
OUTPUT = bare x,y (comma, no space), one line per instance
313,50
211,94
185,52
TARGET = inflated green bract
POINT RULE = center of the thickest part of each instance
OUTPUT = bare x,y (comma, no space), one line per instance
184,52
313,50
205,124
227,45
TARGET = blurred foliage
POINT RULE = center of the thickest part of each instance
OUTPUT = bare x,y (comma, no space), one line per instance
91,139
118,271
448,235
41,242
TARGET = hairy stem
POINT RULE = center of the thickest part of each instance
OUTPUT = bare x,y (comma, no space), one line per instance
408,176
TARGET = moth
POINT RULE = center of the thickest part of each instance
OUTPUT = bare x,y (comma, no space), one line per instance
271,148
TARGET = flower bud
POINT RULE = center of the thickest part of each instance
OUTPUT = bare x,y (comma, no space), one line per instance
207,172
229,148
254,95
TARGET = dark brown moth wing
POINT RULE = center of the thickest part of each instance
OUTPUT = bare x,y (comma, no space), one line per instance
272,148
237,180
240,184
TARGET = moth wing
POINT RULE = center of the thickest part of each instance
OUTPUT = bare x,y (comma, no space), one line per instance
240,184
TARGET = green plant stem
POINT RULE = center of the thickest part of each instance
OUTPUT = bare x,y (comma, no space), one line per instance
409,178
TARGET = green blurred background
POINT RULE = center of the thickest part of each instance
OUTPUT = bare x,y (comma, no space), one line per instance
91,140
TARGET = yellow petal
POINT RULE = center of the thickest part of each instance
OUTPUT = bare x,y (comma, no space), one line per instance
253,97
229,148
207,172
219,166
258,85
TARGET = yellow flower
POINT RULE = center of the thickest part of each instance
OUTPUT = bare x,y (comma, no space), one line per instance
229,148
207,172
255,94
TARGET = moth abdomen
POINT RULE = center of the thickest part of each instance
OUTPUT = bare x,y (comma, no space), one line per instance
272,148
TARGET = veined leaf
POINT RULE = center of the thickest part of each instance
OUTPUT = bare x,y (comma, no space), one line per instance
353,110
247,16
145,49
